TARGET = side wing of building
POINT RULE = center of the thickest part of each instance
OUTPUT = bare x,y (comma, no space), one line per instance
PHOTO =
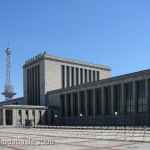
122,100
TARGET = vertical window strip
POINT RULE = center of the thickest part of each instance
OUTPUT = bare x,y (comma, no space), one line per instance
72,76
62,76
67,76
81,75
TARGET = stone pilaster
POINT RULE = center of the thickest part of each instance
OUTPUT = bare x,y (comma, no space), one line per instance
83,76
30,114
65,82
14,116
37,117
23,116
87,76
70,76
4,117
91,75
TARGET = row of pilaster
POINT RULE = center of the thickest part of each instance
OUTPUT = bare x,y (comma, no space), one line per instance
34,117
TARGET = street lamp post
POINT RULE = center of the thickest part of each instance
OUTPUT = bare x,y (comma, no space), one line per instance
116,113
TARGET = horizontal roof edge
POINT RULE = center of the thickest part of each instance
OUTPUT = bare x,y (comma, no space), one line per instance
24,106
65,60
120,77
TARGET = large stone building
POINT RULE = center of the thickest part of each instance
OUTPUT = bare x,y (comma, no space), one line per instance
68,92
44,73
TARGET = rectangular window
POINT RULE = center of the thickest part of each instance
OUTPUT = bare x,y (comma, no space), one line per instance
62,76
98,101
38,85
85,75
117,99
68,98
93,75
75,103
90,76
97,75
82,103
77,76
72,76
90,102
140,96
81,75
62,105
67,76
107,99
129,97
33,86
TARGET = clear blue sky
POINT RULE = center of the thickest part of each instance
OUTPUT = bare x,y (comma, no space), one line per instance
114,33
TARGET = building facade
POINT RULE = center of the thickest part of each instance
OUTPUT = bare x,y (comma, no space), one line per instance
60,91
122,100
45,73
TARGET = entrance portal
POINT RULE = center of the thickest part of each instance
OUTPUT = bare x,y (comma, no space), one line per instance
9,120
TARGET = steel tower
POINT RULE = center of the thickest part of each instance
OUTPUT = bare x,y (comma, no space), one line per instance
8,91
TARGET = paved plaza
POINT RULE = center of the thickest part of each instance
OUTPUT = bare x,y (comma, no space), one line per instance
68,138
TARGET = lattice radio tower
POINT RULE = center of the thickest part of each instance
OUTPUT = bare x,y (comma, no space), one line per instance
8,91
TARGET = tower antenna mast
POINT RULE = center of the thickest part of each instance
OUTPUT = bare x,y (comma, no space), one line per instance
8,91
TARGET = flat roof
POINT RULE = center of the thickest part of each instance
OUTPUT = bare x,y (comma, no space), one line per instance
64,60
24,107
